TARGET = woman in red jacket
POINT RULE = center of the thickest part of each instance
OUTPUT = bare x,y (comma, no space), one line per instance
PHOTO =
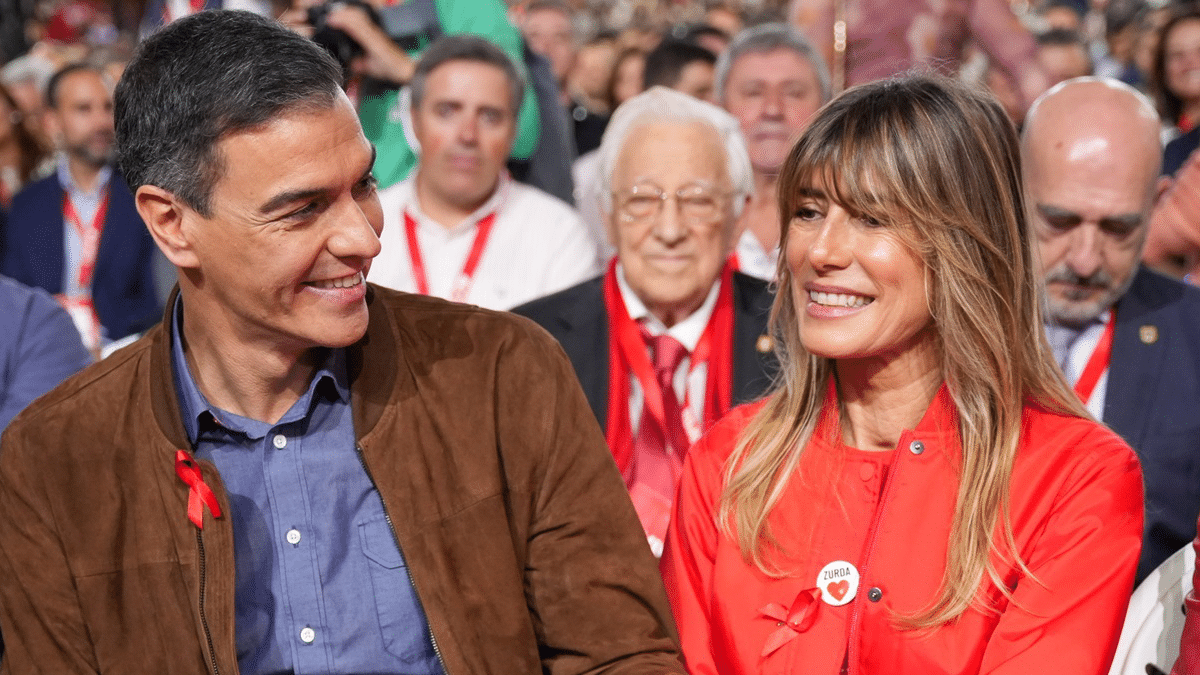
921,493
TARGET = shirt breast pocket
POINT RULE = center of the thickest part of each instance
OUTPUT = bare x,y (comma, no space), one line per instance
402,621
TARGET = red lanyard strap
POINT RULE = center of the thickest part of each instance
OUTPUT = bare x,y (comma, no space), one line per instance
462,283
1097,362
89,235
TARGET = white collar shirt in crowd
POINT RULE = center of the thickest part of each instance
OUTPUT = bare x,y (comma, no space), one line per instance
537,246
753,259
689,383
1073,348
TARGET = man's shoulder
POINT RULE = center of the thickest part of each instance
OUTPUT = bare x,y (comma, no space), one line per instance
550,210
426,325
587,296
1152,292
35,196
89,401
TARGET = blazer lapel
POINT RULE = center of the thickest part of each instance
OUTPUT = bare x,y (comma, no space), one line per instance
1139,345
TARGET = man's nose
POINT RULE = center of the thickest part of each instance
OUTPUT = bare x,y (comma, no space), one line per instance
1085,255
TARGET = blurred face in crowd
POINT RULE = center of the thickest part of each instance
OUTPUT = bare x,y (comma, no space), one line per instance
296,205
466,124
696,79
772,94
82,120
1060,17
1090,188
548,32
627,77
1063,62
593,68
672,250
1182,65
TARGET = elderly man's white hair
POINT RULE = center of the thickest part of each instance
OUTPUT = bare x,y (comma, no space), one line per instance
660,104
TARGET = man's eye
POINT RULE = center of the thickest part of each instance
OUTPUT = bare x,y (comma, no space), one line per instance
365,188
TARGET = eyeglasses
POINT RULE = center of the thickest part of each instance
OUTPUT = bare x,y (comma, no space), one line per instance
697,204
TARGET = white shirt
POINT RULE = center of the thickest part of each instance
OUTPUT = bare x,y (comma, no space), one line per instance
754,260
689,383
538,245
1076,357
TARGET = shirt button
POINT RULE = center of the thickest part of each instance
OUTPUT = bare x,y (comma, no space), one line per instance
866,471
874,595
307,635
916,447
293,536
280,441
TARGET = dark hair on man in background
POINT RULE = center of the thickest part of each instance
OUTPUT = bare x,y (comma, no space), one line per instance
229,71
465,48
665,63
55,81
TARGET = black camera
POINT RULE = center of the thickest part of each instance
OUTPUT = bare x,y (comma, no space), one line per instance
336,42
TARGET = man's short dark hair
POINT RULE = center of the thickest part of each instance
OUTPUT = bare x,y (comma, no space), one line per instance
55,81
202,78
665,63
465,47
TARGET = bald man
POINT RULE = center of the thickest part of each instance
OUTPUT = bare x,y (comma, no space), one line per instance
1127,338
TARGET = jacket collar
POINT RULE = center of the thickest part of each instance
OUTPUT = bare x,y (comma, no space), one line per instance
370,387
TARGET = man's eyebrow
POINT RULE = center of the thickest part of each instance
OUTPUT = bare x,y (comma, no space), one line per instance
284,198
1125,220
1056,212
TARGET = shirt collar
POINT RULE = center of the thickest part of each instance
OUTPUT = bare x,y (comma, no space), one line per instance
199,415
493,204
687,331
67,181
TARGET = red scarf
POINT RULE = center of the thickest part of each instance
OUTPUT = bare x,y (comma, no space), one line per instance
627,354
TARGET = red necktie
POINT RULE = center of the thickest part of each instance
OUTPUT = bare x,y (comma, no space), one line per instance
658,451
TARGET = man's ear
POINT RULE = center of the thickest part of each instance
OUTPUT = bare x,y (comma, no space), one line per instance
165,217
1160,188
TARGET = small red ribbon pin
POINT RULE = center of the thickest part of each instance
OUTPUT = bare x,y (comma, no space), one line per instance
792,621
199,494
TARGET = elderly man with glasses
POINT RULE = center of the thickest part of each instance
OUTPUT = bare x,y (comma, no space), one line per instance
670,337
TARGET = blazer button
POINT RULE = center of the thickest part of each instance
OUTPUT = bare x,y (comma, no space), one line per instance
916,447
874,595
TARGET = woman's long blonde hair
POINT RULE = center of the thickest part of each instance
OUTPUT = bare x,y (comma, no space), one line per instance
933,153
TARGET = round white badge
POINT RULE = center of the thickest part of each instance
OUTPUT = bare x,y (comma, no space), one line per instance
838,582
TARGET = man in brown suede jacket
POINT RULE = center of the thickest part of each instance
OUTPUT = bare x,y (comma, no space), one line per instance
296,471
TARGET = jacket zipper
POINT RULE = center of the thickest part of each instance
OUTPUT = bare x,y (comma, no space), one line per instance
387,516
851,650
212,652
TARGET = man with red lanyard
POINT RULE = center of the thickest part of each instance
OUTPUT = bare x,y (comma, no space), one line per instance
671,336
1127,338
459,228
76,233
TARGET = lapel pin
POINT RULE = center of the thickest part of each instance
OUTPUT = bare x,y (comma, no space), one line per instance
765,344
1148,334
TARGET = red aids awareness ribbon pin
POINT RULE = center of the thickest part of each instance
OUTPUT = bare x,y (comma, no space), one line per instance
199,494
793,621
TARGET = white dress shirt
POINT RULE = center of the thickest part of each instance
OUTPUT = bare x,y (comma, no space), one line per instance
538,245
689,383
1073,354
753,259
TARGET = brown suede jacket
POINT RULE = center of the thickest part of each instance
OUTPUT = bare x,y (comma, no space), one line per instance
520,538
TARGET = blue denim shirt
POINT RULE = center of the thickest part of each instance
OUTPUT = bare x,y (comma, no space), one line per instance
321,583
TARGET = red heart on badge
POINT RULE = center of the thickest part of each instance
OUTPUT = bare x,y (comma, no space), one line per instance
838,589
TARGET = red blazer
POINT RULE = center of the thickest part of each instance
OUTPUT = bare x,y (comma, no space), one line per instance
1076,504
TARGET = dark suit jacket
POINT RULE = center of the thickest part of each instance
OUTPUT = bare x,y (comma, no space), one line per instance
577,318
1153,402
123,284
